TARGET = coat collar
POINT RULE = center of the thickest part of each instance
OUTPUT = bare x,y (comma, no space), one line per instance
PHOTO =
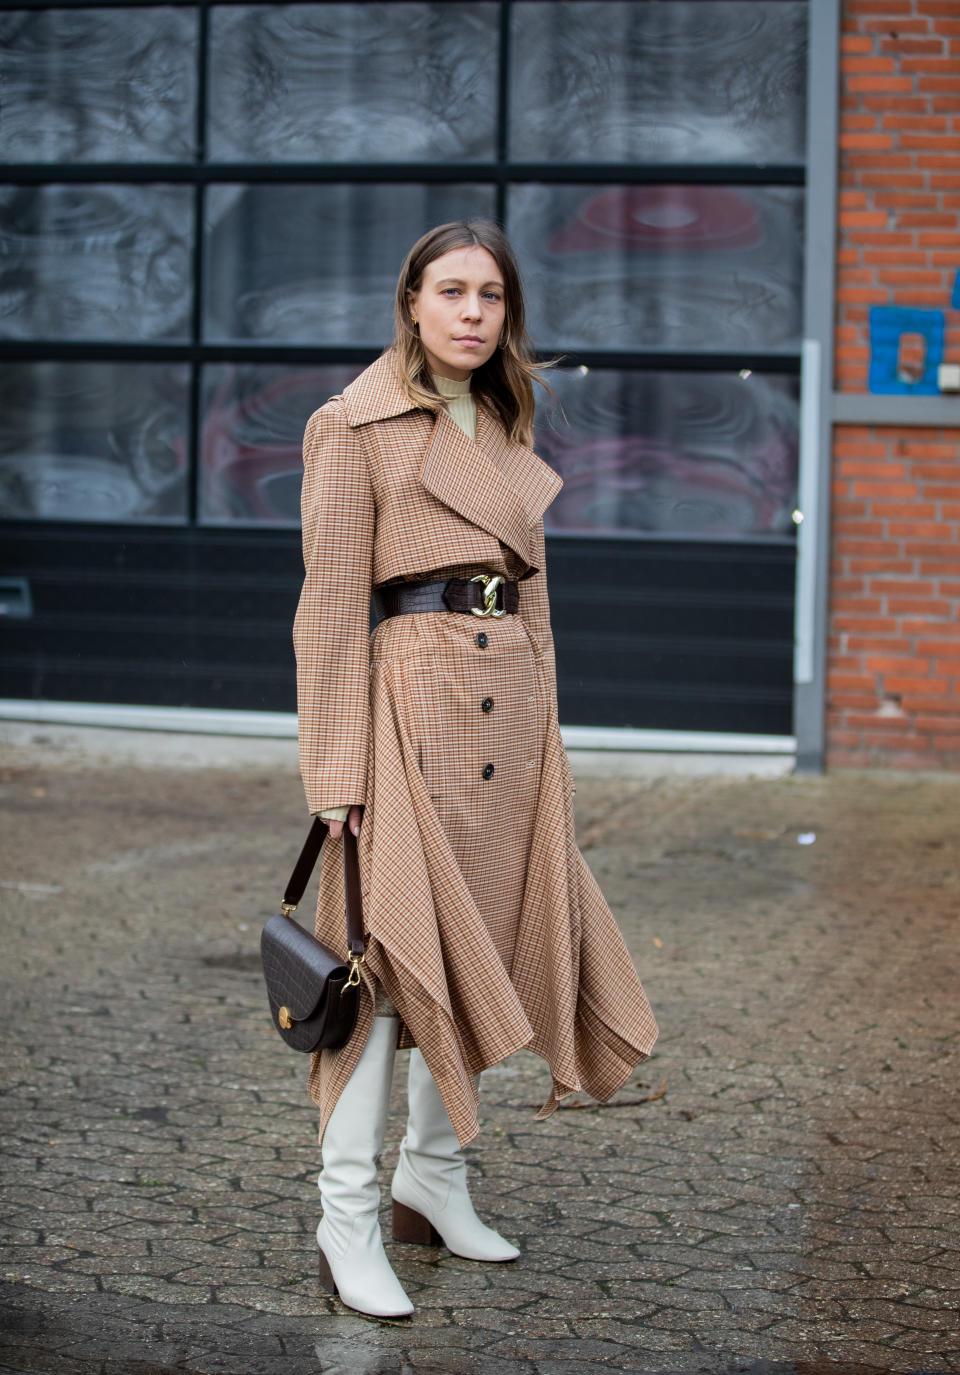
496,483
376,394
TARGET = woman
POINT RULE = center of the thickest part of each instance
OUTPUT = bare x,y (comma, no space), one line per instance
485,930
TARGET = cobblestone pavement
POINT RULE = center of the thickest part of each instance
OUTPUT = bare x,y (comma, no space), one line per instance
786,1200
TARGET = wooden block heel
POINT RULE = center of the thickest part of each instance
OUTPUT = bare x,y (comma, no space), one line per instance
409,1225
326,1274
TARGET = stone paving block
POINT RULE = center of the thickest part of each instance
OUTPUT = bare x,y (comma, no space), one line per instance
584,1350
34,1361
416,1360
648,1362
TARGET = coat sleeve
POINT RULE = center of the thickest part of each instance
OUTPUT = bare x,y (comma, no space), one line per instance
535,609
331,632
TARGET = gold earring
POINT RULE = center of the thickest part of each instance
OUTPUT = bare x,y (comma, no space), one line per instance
413,319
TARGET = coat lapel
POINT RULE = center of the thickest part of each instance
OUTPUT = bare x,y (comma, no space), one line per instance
499,485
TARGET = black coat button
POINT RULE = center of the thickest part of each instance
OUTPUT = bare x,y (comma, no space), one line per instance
488,770
482,639
487,704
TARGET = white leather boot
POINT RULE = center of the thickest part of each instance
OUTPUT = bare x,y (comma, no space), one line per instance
353,1262
430,1199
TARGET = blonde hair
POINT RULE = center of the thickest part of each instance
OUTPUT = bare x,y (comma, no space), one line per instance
505,381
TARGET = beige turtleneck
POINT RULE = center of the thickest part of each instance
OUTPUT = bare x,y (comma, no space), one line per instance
460,403
463,412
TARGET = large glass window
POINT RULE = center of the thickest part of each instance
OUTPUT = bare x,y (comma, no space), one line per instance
253,421
94,441
670,453
661,267
95,262
353,83
175,316
99,85
715,81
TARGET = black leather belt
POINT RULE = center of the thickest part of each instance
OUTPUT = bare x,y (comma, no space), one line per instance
485,595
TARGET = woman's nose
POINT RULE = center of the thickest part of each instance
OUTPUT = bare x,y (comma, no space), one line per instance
471,307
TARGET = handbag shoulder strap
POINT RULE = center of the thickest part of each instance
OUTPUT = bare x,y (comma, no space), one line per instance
351,880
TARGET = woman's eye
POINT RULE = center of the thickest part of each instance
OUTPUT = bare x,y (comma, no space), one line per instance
492,295
450,291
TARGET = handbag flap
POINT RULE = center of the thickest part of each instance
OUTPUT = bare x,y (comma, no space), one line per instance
296,966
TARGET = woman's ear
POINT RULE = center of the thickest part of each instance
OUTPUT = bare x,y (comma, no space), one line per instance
412,305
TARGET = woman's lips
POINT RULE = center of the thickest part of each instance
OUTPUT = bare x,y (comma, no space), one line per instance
469,340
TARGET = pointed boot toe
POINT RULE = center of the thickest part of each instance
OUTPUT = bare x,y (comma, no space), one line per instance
455,1226
363,1279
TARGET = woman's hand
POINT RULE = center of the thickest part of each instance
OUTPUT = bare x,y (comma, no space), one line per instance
354,817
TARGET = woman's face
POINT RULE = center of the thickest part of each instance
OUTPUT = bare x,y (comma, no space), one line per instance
460,309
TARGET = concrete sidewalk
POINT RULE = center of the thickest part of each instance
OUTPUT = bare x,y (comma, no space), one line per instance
776,1190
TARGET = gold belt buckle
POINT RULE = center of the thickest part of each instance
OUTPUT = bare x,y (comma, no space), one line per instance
490,584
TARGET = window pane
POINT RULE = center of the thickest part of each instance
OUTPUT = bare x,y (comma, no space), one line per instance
99,85
678,81
661,267
93,441
701,454
364,83
318,264
253,422
95,262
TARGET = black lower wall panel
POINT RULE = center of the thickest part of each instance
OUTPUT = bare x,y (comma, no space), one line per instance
664,635
153,616
657,635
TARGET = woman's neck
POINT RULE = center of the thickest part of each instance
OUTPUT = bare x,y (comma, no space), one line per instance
451,386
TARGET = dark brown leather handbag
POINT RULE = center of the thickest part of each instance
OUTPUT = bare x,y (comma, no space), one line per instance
313,994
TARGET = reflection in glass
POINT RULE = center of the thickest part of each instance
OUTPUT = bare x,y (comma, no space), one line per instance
98,85
250,449
93,441
673,453
317,264
95,262
353,83
678,81
661,267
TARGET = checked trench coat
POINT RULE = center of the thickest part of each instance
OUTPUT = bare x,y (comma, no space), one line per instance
484,925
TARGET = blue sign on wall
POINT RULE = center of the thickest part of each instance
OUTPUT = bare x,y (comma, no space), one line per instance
887,325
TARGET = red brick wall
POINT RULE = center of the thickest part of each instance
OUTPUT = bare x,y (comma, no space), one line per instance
893,690
893,681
